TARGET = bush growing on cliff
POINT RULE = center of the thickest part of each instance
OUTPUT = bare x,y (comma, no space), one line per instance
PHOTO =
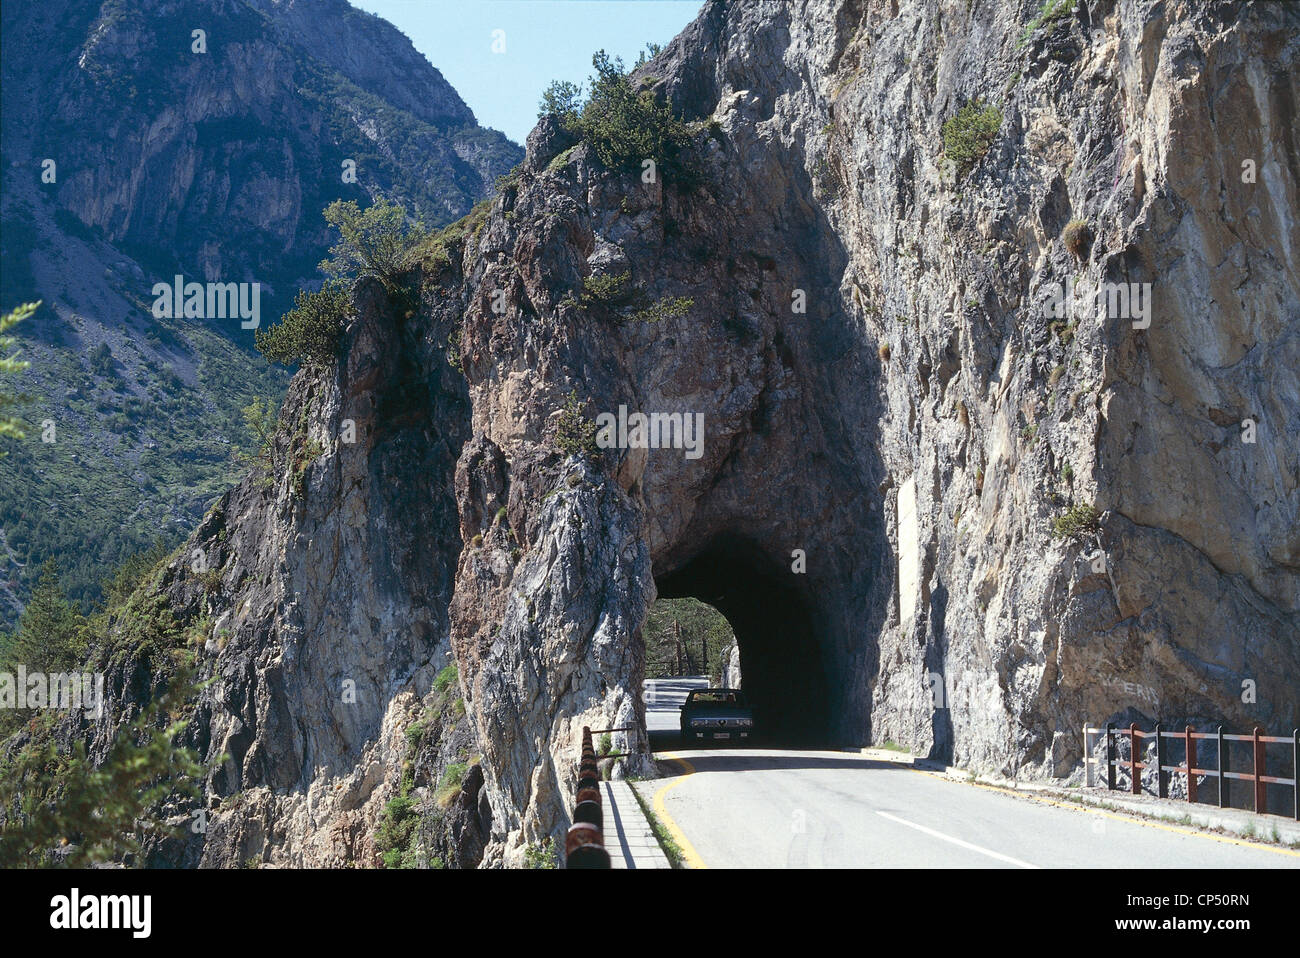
1048,13
446,679
469,226
308,333
651,51
453,776
627,301
261,417
373,242
669,307
562,100
608,290
624,126
1080,523
433,250
575,434
395,838
968,135
540,856
1077,237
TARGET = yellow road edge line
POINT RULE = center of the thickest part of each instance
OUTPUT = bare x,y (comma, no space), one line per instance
689,854
1132,818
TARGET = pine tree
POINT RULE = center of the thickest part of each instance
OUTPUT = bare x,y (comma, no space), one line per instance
56,799
51,634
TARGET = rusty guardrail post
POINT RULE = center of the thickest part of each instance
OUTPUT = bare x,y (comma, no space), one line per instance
1110,756
1225,794
1190,750
1295,771
1135,773
1261,787
1162,785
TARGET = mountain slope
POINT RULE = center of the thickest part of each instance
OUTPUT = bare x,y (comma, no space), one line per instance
212,165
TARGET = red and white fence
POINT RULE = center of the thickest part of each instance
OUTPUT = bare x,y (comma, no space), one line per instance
1184,742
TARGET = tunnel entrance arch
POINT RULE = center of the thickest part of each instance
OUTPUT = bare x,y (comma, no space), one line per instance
686,637
781,656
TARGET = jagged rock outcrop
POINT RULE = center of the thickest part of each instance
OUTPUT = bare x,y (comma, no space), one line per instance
872,503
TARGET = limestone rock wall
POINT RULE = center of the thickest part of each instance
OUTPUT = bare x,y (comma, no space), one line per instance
912,432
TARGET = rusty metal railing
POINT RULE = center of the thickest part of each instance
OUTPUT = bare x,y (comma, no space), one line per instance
1188,739
620,728
584,845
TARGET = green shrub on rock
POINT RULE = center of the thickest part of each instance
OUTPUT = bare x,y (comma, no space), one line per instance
575,434
1080,523
374,242
968,135
625,126
309,332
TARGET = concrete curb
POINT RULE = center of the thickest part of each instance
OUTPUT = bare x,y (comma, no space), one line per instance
889,755
629,839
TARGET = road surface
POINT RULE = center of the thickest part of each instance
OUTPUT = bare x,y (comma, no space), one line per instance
755,807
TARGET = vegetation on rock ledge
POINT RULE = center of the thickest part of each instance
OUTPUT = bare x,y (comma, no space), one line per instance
968,135
1080,523
624,126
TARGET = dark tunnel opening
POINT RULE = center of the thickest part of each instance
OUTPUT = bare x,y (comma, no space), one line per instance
781,662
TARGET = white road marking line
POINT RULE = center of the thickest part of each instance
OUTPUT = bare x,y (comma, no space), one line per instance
957,841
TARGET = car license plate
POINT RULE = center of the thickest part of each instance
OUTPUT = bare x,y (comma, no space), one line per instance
722,735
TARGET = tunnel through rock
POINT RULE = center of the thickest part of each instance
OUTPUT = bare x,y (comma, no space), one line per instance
781,658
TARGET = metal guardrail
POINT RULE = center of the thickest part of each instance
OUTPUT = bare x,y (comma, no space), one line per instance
1224,774
584,845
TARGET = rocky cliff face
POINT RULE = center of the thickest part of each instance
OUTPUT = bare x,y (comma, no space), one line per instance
892,421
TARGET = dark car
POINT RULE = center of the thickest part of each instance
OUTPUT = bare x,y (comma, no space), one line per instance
711,715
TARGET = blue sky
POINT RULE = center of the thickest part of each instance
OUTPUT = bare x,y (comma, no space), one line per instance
545,40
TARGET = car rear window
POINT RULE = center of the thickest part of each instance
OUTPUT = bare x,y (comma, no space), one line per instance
718,698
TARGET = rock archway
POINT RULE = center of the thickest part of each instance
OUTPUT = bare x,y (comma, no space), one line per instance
787,676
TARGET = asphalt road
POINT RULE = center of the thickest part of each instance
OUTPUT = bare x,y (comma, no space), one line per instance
755,807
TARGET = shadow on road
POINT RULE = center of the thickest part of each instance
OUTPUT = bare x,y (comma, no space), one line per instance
749,760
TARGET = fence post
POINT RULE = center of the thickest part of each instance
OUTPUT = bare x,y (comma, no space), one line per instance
1191,753
1087,765
1162,787
1295,771
1225,793
1261,787
1110,756
1135,773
